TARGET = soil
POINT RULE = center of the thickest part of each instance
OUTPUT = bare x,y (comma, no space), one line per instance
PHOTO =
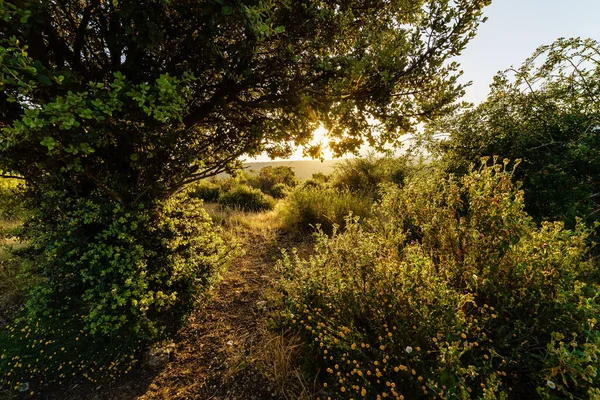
214,353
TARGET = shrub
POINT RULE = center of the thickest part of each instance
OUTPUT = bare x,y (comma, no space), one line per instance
307,207
551,125
454,292
365,175
11,199
279,190
246,198
271,176
102,300
205,190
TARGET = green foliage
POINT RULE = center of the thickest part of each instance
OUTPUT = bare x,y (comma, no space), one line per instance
269,177
364,175
246,198
453,292
545,113
308,207
205,190
16,278
279,190
115,280
12,201
110,115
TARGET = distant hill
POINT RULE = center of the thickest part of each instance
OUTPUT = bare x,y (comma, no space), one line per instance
303,169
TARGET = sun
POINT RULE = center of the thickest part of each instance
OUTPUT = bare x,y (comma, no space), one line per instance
319,137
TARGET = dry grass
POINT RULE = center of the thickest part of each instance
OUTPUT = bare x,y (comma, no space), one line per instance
276,359
246,226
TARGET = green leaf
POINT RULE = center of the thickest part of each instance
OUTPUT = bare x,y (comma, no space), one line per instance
48,142
227,10
44,79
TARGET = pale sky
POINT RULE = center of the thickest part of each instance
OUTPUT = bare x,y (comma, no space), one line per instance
514,29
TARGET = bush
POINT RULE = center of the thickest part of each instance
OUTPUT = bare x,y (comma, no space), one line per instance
11,199
115,281
279,191
205,190
307,207
454,292
246,198
365,175
551,125
268,177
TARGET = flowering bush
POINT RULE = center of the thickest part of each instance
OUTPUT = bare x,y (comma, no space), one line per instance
115,281
453,292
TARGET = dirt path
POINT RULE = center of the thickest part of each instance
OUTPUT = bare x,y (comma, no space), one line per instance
216,352
215,359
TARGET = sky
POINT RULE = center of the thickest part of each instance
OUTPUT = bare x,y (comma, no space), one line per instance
514,29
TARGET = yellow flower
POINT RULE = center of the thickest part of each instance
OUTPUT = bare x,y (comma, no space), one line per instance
363,392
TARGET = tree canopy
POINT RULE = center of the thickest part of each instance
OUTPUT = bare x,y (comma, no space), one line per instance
173,91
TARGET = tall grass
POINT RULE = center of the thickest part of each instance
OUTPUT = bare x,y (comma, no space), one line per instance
308,207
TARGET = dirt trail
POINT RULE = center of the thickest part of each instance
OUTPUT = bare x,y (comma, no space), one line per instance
215,353
214,360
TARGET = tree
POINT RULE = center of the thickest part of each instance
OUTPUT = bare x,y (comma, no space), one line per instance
546,113
110,108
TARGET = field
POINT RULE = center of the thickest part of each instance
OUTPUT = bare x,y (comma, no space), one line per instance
303,169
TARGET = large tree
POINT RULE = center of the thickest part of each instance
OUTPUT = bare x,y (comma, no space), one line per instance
171,91
109,108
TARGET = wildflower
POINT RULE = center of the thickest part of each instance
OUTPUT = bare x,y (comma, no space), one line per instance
408,349
551,384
